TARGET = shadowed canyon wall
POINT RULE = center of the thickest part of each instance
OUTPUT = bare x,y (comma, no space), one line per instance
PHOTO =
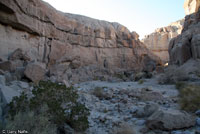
187,44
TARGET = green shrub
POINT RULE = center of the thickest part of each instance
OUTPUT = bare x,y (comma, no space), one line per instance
61,102
172,75
124,129
34,124
120,76
100,93
141,81
190,98
180,85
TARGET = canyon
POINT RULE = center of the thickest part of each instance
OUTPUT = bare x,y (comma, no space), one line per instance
50,36
121,80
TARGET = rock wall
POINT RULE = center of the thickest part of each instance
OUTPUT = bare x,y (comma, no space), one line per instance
191,6
158,42
53,37
187,44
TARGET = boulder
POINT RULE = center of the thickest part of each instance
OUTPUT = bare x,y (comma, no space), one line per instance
35,71
10,65
169,119
18,54
7,93
147,110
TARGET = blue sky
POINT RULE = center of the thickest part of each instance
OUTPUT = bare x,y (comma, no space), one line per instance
142,16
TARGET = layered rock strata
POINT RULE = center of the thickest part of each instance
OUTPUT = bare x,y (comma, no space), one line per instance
56,38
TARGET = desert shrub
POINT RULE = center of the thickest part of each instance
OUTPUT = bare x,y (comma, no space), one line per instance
124,129
34,124
100,93
139,76
141,81
180,85
120,76
189,97
61,102
172,75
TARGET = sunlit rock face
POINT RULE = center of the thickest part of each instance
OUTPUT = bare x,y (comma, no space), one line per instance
191,6
53,37
158,41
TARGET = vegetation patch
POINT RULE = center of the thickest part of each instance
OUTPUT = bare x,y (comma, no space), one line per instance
59,103
141,81
189,97
124,129
100,93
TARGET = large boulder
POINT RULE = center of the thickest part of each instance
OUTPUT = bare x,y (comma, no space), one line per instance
11,65
35,71
170,119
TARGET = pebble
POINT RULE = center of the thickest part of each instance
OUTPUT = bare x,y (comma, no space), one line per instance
140,122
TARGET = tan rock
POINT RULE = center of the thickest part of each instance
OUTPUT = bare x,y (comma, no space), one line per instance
35,71
158,42
47,35
191,6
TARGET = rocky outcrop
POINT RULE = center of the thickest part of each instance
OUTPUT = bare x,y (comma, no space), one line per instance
35,71
158,42
186,46
170,120
57,38
191,6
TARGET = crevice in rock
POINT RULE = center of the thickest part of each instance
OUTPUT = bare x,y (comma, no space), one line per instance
5,9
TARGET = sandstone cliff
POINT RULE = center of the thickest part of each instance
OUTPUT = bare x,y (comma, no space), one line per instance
187,44
191,6
158,42
53,37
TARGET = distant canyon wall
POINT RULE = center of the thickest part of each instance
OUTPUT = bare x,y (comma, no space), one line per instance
158,41
53,37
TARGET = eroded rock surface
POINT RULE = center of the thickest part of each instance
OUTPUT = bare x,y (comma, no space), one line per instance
186,45
158,41
191,6
53,37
